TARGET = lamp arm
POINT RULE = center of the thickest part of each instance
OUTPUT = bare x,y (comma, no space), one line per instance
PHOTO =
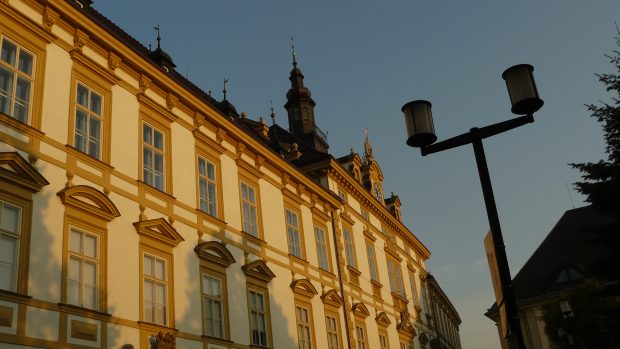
477,133
500,127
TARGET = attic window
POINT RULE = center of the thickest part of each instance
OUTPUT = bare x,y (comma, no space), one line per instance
568,274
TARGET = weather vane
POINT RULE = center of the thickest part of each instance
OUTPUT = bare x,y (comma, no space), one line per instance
225,82
293,51
158,36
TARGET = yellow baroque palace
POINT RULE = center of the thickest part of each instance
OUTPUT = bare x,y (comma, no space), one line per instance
136,211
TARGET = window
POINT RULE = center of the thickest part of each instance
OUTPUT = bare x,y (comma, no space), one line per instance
292,229
155,289
365,214
258,318
213,306
414,293
321,247
376,189
383,341
372,261
88,121
349,248
396,277
207,186
248,203
304,327
333,341
153,157
83,269
10,234
342,195
16,80
360,334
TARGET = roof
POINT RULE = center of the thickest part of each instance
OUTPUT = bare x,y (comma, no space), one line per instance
576,242
433,282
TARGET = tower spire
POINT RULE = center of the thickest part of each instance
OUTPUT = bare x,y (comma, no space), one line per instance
273,113
225,82
158,36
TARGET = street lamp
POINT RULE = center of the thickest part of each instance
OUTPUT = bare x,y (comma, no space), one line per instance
421,134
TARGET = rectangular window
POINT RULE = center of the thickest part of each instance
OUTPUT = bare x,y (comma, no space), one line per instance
414,293
88,121
333,340
208,186
349,248
10,233
372,261
16,80
292,229
258,318
83,269
321,247
248,203
304,327
396,277
155,280
383,342
153,157
360,333
213,306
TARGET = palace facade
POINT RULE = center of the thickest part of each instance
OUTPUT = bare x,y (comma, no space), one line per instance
138,211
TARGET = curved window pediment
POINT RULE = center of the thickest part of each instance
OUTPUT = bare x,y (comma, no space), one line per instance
90,200
215,252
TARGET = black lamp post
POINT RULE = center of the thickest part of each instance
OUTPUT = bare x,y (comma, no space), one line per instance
421,134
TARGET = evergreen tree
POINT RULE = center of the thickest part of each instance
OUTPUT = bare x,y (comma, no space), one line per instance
601,180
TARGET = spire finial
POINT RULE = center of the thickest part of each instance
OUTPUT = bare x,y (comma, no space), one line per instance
273,114
293,51
158,36
225,82
367,147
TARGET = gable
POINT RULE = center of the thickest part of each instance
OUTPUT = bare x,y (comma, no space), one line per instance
332,298
15,169
159,229
89,200
258,269
382,319
359,309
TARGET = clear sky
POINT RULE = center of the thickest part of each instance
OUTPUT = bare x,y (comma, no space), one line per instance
364,59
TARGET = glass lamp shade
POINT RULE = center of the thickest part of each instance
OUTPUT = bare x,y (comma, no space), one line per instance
522,89
419,122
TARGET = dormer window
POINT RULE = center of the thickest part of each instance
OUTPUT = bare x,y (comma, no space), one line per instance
376,190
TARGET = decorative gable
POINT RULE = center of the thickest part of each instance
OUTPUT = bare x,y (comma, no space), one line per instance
332,298
159,229
89,200
18,171
382,319
304,287
359,309
216,252
258,269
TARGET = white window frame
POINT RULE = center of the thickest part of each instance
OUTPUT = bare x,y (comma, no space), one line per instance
91,116
333,333
16,236
304,326
208,297
155,281
372,261
207,199
256,313
321,248
293,233
17,73
82,259
395,275
249,209
150,173
349,246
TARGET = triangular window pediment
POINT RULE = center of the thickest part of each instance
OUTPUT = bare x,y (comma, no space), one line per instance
304,287
359,309
332,298
15,169
258,269
159,229
90,200
382,319
216,252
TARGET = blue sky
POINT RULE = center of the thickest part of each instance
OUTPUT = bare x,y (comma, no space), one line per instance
364,59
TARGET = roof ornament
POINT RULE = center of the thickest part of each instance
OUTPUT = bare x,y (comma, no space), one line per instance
367,147
293,51
273,113
225,82
158,36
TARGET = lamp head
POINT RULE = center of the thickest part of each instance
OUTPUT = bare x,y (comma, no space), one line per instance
419,123
522,89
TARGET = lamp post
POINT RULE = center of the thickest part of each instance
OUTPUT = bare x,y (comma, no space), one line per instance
421,134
